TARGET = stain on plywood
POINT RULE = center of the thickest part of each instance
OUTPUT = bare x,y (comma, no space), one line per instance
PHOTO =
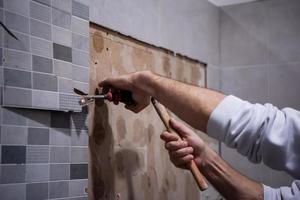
127,157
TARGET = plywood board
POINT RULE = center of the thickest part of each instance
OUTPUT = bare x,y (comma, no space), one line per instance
127,157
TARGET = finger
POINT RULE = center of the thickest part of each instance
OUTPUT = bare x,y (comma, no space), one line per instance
116,82
179,162
180,128
174,145
181,152
168,137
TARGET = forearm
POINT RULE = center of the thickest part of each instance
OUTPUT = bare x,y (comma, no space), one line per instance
186,101
230,183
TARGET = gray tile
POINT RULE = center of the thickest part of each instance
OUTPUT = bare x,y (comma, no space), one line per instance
12,174
59,172
248,83
14,116
77,187
45,82
282,86
62,52
63,69
41,47
79,155
65,85
80,58
60,137
213,78
21,44
80,74
40,12
38,118
65,5
12,191
37,173
80,42
37,154
79,121
58,189
42,64
13,135
45,2
40,29
16,59
59,154
61,18
13,154
45,99
17,78
1,3
60,120
79,138
17,6
17,97
80,10
62,36
37,191
78,171
80,26
244,38
38,136
17,22
81,86
69,102
1,55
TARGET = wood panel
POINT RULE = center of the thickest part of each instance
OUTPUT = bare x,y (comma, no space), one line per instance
127,157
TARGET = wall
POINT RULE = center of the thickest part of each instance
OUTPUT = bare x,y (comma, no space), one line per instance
259,62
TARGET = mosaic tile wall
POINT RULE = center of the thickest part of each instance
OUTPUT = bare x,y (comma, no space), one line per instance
50,57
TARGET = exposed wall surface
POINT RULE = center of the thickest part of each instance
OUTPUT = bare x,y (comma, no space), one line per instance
259,62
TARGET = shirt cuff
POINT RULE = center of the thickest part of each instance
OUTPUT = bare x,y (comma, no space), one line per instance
220,118
270,193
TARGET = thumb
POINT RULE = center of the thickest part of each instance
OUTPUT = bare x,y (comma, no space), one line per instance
181,129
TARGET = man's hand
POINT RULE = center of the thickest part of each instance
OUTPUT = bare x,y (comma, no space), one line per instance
183,152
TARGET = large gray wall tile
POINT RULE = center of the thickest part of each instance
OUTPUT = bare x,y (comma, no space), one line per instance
80,42
13,135
40,29
21,44
38,136
42,64
58,189
62,36
17,78
61,18
78,171
80,10
77,187
65,5
80,26
37,154
38,118
79,138
80,58
41,47
79,155
17,97
59,172
16,59
65,85
79,121
59,154
60,120
45,82
37,173
17,22
13,154
45,2
62,52
40,12
63,69
80,74
45,99
60,137
37,191
12,174
14,116
17,6
11,191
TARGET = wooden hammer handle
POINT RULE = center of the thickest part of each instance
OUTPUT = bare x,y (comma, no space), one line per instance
165,117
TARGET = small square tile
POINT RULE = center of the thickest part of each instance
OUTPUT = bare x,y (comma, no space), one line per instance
63,69
40,12
12,191
41,47
17,22
79,155
81,86
45,2
60,137
65,85
79,138
78,171
58,189
42,64
80,58
37,154
38,136
17,78
59,172
61,18
62,36
38,118
17,6
80,74
80,10
15,135
13,154
80,42
40,29
16,59
37,191
62,52
80,26
65,5
21,44
17,97
14,116
60,119
12,174
69,102
59,155
45,99
45,82
37,173
77,187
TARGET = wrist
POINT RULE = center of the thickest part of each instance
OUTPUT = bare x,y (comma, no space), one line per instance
144,81
208,157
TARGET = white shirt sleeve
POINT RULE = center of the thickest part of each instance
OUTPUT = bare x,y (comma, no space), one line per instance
263,133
